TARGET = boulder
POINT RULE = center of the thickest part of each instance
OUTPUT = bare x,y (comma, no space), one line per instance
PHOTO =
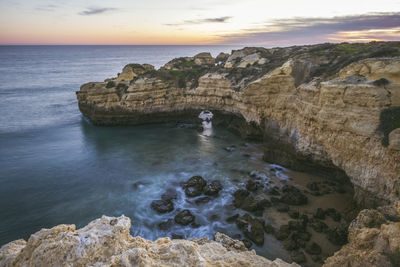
194,186
184,217
162,206
213,188
293,196
251,228
204,58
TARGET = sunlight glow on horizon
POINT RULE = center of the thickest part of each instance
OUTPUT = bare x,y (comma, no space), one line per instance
190,22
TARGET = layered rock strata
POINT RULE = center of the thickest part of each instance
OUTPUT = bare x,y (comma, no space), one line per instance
332,123
107,242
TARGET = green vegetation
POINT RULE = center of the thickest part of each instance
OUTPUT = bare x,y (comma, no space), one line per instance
388,121
110,84
136,66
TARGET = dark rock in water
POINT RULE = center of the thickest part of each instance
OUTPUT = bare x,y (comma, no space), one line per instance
139,184
170,194
213,188
282,208
319,214
264,203
250,204
252,228
269,229
294,214
313,249
251,185
258,175
290,244
184,217
318,226
337,235
334,214
317,259
194,186
296,225
230,148
162,206
195,225
177,236
202,200
283,232
166,224
293,196
298,256
246,243
274,191
232,219
239,196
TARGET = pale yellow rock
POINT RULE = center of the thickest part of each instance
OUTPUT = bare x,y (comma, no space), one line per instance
107,242
130,71
374,69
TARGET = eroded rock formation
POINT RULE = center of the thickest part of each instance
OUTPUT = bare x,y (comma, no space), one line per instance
107,242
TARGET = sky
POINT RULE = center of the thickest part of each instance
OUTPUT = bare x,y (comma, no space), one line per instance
235,22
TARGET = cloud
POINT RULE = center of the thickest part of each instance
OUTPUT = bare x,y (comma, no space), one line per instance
50,7
303,29
96,10
201,21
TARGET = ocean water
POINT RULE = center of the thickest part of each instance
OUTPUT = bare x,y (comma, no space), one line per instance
55,167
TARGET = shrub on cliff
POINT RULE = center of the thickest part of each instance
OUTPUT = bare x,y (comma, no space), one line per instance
110,84
388,121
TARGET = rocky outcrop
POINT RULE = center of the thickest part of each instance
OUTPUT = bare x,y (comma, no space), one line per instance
373,241
332,125
107,242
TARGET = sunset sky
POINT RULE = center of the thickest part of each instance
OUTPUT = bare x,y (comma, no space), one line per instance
240,22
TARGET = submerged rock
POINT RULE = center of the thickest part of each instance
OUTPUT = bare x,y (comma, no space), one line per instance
162,206
251,228
194,186
184,217
213,188
293,196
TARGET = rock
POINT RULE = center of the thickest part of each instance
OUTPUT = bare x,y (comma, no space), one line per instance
102,244
274,191
337,235
222,57
282,207
294,214
166,224
318,226
290,244
298,256
184,217
247,243
213,188
194,186
296,225
367,218
169,195
319,214
177,236
239,196
269,229
293,196
394,139
162,206
251,185
204,59
313,249
131,71
283,232
334,214
232,218
202,200
251,228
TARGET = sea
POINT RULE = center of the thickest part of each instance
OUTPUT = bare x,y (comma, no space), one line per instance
58,168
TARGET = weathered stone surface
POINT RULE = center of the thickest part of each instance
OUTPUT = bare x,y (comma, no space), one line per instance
370,244
394,139
204,59
107,242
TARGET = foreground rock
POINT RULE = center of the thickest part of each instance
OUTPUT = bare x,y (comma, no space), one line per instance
107,242
371,243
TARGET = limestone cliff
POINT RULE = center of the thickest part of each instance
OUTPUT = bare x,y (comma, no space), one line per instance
107,242
334,120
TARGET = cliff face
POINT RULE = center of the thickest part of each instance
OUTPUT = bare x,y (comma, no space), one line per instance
333,123
107,242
